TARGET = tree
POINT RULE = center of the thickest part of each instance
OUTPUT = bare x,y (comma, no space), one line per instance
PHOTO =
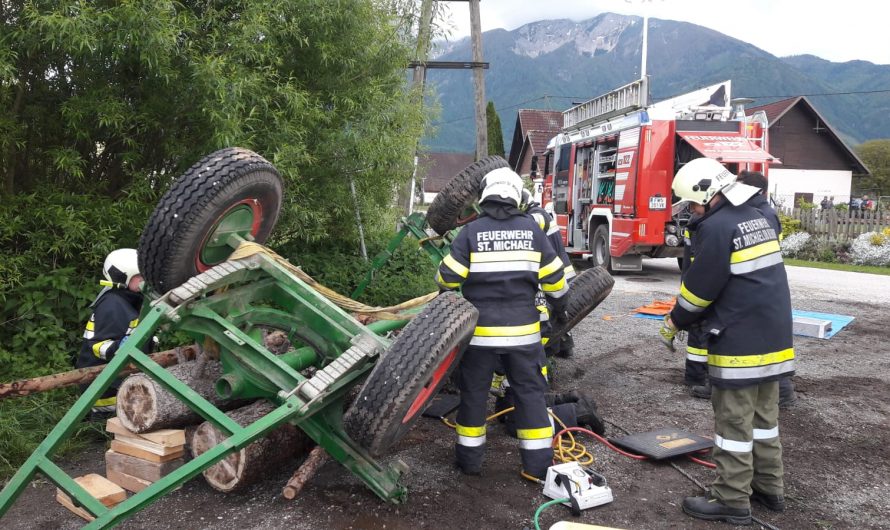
108,97
495,135
876,156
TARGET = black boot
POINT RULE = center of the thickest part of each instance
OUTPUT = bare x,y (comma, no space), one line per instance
775,503
585,408
711,509
566,347
701,391
787,397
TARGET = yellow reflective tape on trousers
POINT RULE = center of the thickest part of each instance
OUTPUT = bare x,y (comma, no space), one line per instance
104,402
463,430
535,434
550,268
505,255
91,325
749,361
507,331
454,265
693,299
755,252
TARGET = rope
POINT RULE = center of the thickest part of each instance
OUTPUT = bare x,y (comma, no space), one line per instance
248,248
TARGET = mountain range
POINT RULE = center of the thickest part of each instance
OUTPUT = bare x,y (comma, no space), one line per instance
553,64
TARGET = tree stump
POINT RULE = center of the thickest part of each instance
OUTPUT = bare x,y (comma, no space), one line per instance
143,405
262,457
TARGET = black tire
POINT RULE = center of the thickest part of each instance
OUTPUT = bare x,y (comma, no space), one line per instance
449,208
229,184
410,373
599,248
587,291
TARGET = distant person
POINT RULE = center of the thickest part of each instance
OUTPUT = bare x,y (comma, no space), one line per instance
855,206
824,204
830,200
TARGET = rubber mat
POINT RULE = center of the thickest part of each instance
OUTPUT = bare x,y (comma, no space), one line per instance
663,443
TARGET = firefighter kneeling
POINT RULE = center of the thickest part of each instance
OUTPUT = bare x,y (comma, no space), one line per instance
502,284
737,291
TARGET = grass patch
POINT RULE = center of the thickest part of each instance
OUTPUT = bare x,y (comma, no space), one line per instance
869,269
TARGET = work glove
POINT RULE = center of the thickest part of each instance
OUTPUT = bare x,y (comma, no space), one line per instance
668,333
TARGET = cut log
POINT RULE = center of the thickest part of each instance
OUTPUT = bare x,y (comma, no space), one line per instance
150,471
104,490
317,458
143,405
123,447
82,376
266,455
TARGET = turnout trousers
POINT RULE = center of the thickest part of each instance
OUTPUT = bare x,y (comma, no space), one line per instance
533,427
747,450
696,356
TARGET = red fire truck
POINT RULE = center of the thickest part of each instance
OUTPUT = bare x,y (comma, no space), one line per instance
608,173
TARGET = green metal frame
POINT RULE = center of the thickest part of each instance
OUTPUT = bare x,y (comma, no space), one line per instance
227,306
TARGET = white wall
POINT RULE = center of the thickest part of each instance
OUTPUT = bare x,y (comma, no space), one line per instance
428,197
784,183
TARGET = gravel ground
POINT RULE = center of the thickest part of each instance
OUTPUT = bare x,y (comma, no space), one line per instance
836,437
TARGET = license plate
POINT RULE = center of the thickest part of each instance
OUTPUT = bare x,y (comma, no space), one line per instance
658,203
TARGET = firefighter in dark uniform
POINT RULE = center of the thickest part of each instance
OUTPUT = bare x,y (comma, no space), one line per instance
498,261
115,315
696,374
761,203
738,288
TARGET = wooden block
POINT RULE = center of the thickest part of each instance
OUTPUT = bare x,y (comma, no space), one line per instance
136,467
128,482
151,447
164,437
106,491
120,446
65,501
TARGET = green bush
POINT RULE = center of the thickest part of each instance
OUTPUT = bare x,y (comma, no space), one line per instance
790,225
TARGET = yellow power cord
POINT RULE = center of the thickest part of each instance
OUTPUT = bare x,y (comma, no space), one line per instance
566,448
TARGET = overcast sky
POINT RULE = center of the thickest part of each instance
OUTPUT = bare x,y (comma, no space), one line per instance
837,31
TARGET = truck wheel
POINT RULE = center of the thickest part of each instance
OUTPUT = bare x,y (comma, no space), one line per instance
232,191
587,291
599,247
410,373
453,205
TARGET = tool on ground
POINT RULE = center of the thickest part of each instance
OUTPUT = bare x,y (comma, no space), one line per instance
663,443
583,487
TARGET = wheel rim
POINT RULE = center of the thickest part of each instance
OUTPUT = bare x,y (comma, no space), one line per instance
431,385
600,250
466,216
242,218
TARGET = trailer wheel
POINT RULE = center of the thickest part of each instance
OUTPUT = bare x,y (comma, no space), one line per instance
410,373
599,247
587,291
232,191
453,205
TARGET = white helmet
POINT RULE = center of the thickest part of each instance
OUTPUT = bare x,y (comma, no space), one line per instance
120,266
502,182
700,179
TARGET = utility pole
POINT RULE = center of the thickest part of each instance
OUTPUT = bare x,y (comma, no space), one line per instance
478,81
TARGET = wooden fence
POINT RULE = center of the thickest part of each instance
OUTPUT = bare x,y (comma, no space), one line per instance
839,225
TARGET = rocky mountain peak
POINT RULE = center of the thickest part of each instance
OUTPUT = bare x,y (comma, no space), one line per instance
589,37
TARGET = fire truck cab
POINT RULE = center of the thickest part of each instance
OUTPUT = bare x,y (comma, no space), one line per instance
608,173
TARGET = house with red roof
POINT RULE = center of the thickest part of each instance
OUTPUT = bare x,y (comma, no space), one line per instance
816,162
434,170
534,128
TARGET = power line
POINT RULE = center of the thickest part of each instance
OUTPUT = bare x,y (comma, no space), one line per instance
507,107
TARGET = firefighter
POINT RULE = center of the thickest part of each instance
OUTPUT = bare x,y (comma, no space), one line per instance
498,261
759,201
115,315
736,287
564,347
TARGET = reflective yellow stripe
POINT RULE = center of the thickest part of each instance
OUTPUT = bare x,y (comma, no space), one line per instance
686,233
104,402
134,322
755,252
697,351
91,326
545,340
441,281
453,264
540,219
505,255
748,361
97,348
550,268
687,294
507,331
463,430
534,434
551,287
544,368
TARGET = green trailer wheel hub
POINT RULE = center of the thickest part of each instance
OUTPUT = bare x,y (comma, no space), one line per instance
242,219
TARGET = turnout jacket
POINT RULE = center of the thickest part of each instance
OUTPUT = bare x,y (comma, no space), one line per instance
738,290
499,265
549,226
115,315
761,204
